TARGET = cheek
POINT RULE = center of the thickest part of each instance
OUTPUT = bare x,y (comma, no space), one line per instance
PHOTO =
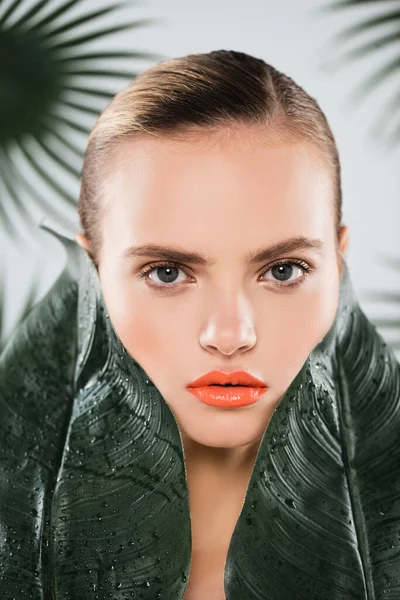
141,324
299,324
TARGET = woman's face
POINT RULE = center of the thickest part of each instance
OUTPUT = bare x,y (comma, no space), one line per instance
222,198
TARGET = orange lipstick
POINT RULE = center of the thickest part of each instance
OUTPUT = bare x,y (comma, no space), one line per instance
228,390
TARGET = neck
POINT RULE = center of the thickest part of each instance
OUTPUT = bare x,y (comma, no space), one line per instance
238,460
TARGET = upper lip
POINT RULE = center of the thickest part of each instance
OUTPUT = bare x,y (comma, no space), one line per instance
223,377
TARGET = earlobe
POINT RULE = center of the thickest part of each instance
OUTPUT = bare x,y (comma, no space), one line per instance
81,239
343,238
343,241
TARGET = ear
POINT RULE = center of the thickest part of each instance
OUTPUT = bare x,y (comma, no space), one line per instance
343,238
81,239
343,242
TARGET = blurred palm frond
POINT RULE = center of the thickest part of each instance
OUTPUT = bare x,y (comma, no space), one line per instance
53,85
388,298
383,29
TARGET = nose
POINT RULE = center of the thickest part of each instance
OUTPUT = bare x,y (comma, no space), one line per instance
230,327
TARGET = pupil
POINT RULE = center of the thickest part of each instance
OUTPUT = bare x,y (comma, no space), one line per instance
281,271
170,274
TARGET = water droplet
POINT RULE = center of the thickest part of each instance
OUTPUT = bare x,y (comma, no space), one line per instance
290,502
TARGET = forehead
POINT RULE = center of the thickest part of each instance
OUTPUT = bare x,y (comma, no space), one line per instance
179,189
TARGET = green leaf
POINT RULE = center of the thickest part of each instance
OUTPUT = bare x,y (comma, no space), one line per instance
10,10
77,21
83,39
339,5
23,179
382,29
53,16
46,51
93,489
108,54
26,18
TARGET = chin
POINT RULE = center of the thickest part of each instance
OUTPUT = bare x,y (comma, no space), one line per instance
227,437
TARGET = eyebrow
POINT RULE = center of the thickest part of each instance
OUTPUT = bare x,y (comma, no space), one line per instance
194,258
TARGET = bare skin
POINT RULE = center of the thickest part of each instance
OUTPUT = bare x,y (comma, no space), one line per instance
215,505
221,196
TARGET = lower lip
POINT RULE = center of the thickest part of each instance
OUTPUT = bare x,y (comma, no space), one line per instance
228,397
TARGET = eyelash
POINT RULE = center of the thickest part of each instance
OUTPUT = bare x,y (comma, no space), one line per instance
144,273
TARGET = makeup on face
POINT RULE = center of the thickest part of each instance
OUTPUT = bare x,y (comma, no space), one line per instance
228,390
221,260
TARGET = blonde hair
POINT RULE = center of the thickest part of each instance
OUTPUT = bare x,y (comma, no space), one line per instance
198,93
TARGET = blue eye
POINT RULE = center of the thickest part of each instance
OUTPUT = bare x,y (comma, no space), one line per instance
284,271
168,273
